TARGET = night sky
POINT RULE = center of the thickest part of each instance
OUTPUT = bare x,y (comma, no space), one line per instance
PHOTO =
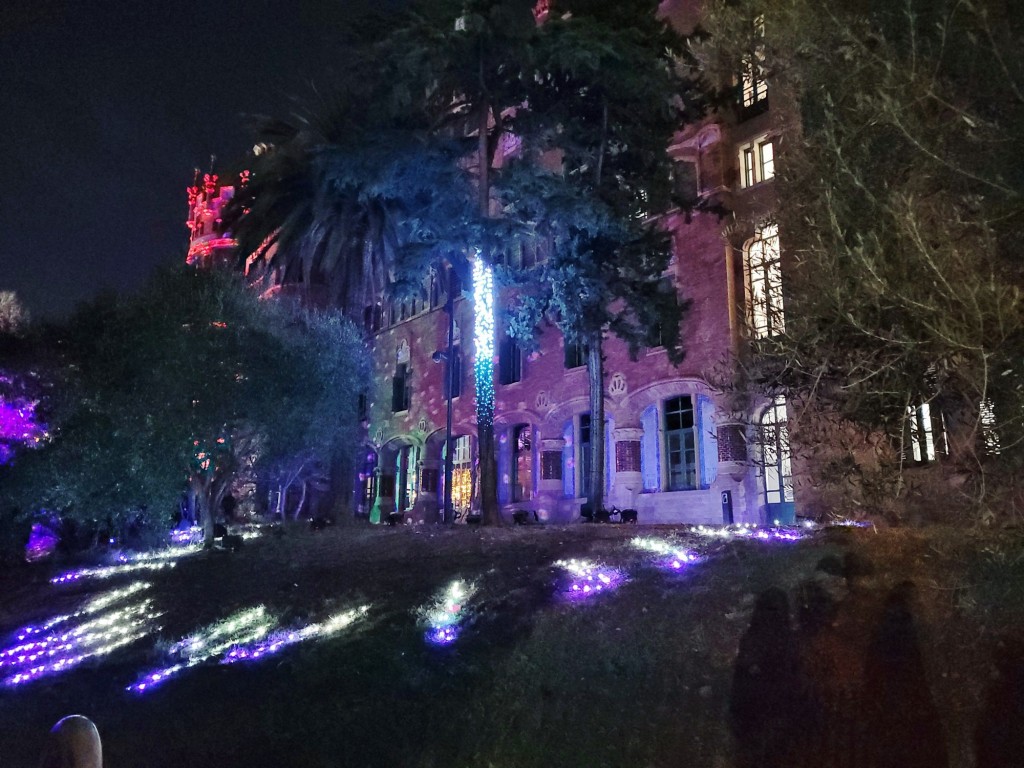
109,106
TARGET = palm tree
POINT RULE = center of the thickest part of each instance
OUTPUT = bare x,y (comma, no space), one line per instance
346,210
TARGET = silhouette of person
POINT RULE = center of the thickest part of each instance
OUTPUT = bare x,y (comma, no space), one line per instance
999,739
768,708
903,725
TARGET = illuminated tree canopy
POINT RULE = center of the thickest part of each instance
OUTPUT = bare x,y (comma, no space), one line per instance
178,387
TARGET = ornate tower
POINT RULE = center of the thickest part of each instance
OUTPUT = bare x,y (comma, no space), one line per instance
209,244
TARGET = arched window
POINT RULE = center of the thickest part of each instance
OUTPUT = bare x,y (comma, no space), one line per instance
764,282
522,463
773,449
462,474
367,482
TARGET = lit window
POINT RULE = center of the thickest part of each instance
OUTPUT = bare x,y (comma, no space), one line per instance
522,463
753,86
462,474
989,433
926,437
680,444
757,162
773,450
764,273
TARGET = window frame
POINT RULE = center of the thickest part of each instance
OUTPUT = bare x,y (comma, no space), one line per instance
578,350
773,433
403,396
518,452
689,445
754,169
766,315
510,362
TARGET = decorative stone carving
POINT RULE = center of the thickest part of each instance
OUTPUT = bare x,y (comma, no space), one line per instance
551,465
731,444
617,385
421,425
402,352
542,399
627,456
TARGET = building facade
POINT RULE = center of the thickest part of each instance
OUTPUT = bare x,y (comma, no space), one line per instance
678,450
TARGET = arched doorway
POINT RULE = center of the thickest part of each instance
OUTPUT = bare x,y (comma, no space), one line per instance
367,482
462,475
776,464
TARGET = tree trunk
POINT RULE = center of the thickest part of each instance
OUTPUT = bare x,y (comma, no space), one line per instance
302,500
595,378
490,514
202,488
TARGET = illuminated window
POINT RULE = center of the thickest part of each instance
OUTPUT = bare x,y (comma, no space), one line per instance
764,275
510,362
680,444
773,450
522,463
926,437
462,474
989,433
757,162
753,86
368,482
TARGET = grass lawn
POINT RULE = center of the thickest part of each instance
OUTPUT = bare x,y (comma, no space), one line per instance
706,665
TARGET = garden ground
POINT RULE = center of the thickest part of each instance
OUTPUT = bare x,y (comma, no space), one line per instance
849,647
